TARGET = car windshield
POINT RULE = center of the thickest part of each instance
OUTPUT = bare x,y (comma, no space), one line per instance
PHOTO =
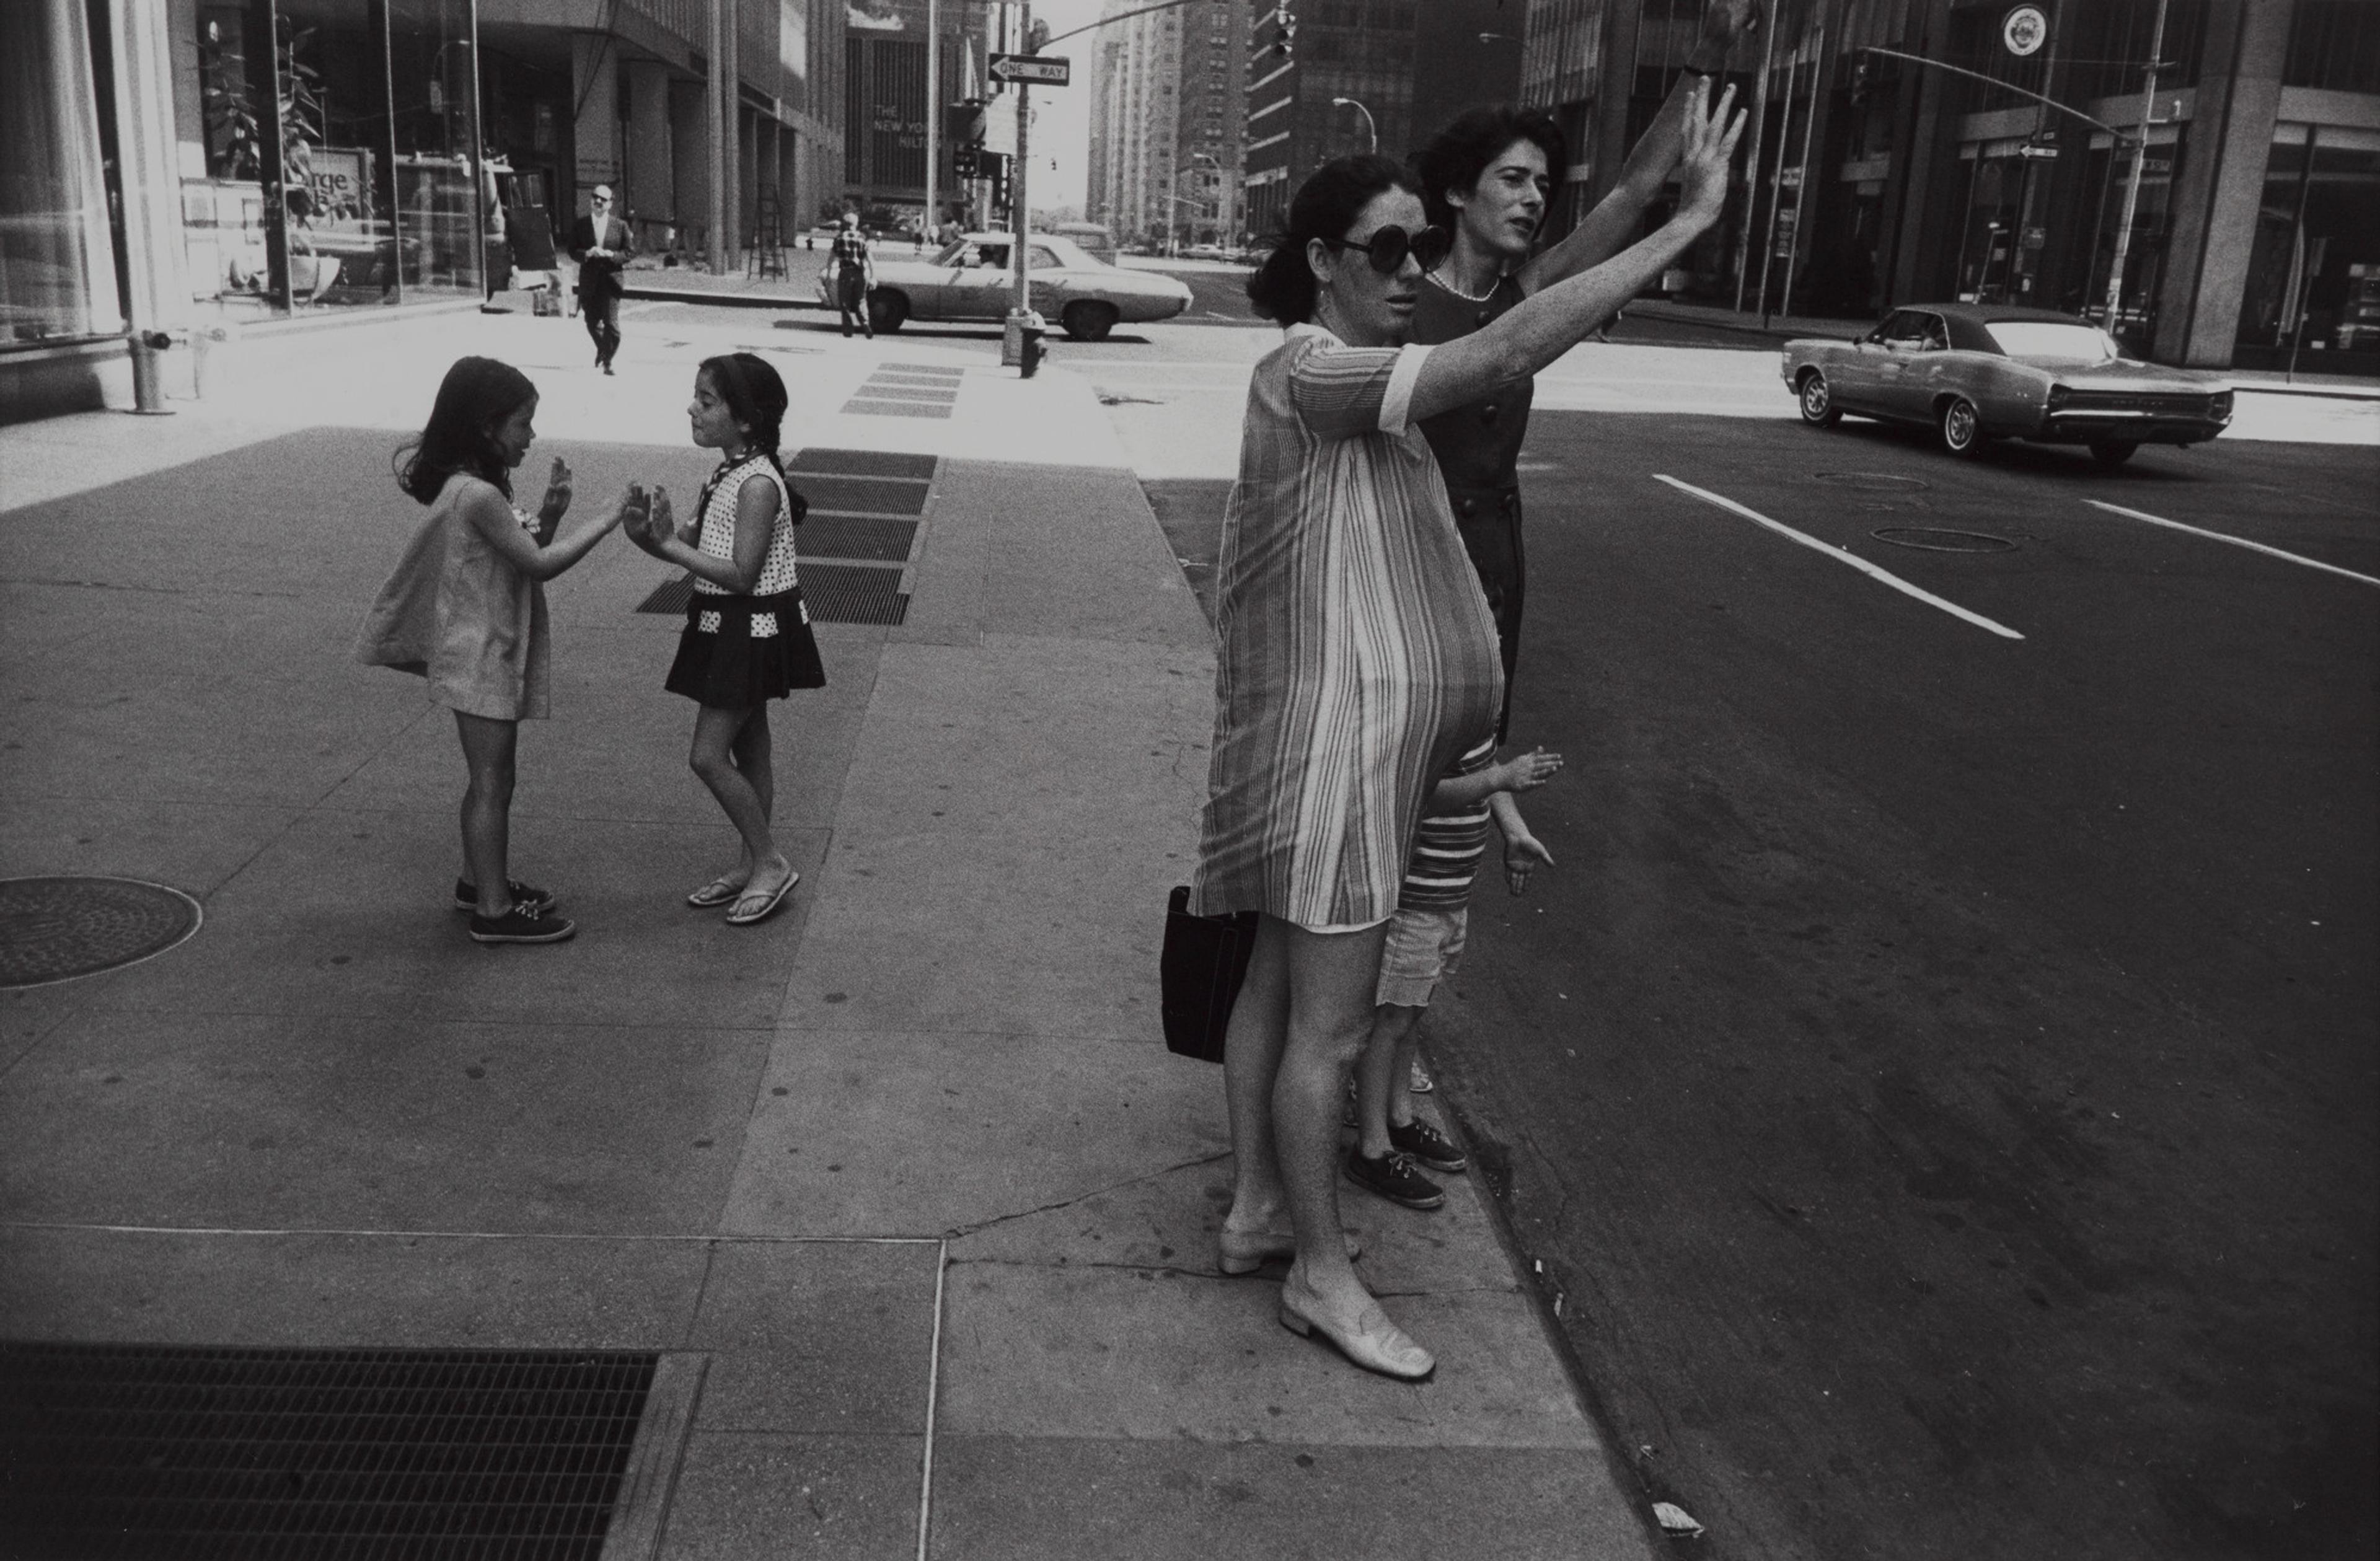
2049,338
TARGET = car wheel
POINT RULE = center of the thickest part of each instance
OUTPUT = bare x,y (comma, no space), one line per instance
2113,452
1963,431
1087,319
887,310
1819,401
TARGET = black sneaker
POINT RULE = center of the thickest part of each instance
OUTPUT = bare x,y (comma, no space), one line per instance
1393,1176
529,897
521,925
1428,1144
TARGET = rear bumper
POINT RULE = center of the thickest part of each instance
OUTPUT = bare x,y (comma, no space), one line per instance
2103,427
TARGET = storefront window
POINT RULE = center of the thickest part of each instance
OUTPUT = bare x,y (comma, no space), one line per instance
58,270
2006,230
2316,262
333,144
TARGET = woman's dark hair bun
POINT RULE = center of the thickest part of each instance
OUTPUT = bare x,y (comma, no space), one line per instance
1325,206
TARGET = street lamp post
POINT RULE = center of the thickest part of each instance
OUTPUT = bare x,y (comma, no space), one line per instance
2133,190
1370,129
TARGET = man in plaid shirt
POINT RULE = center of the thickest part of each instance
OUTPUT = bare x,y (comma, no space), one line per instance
855,273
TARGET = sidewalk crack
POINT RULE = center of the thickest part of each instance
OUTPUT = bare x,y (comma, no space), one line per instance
955,1231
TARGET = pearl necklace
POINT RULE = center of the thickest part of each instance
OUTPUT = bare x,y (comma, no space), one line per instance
1459,293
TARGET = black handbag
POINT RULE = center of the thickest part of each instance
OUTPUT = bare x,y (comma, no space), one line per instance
1205,959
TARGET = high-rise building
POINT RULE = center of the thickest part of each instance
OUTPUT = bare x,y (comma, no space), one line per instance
2254,237
1364,76
1166,91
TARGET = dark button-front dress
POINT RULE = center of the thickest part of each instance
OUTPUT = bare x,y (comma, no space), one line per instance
1358,659
1478,448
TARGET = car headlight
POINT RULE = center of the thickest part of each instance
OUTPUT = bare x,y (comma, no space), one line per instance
2059,396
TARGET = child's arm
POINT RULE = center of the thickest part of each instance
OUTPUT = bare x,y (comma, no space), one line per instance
501,529
1522,772
755,521
1523,851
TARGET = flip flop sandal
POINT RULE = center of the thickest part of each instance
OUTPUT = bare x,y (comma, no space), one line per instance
717,892
770,900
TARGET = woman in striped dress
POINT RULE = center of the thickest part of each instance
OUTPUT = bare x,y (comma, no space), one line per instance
1358,661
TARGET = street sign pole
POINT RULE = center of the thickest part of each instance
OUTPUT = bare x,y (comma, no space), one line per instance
927,225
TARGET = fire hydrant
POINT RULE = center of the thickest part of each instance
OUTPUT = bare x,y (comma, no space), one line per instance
148,388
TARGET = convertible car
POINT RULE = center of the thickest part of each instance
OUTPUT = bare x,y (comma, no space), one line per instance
971,280
1976,372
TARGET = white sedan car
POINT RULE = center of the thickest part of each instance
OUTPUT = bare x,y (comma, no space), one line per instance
972,279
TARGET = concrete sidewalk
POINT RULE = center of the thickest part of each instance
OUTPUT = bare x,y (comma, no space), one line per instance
903,1183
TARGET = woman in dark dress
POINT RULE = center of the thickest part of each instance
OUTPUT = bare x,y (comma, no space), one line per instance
1487,177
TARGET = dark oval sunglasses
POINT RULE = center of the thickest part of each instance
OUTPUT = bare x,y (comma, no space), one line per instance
1390,244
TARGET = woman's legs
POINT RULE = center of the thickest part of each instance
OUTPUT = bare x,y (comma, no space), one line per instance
487,750
1381,1079
1252,1048
1332,979
720,741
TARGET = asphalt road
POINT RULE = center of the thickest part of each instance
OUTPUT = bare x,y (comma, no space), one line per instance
1939,1074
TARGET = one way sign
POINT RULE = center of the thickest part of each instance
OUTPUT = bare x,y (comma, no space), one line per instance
1031,67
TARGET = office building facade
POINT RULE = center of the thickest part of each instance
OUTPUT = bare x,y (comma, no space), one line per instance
1367,75
2246,232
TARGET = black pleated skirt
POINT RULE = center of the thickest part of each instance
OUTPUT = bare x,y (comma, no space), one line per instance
733,669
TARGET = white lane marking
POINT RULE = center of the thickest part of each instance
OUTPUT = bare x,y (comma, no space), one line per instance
2235,541
1842,555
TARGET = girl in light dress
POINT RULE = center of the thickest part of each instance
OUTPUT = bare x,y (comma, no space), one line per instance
466,609
747,636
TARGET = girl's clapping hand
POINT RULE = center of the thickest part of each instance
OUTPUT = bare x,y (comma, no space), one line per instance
557,497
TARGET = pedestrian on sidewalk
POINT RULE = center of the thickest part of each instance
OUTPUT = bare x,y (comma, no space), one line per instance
1487,177
466,609
1358,662
602,244
747,636
855,273
1424,950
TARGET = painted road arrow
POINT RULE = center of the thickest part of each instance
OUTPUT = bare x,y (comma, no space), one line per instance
1031,67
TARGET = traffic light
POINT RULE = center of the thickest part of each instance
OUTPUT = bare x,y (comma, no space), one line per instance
1280,34
963,159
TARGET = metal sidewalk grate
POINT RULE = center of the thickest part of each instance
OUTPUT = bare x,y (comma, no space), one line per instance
864,405
671,596
864,495
856,536
864,462
854,593
380,1454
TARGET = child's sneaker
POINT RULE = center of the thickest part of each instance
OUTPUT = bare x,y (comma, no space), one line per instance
528,896
1393,1176
521,925
1428,1146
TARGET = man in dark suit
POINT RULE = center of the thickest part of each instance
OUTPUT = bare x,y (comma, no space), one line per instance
602,244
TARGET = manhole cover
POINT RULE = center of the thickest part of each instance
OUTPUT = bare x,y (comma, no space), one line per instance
1933,540
1873,482
55,929
141,1451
